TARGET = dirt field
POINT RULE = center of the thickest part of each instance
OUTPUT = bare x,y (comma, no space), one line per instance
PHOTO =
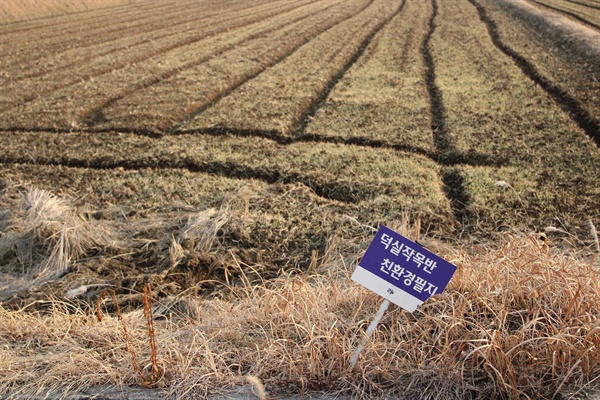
12,11
196,144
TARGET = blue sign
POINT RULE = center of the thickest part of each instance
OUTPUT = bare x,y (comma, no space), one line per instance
402,271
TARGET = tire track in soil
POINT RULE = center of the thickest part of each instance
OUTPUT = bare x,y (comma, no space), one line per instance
345,193
299,129
95,115
191,114
135,60
581,116
452,178
566,12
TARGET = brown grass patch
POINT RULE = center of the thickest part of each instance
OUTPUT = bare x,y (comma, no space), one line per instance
41,236
518,320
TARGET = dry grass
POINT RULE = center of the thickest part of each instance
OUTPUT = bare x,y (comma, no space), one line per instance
547,158
279,98
383,96
19,10
518,320
41,236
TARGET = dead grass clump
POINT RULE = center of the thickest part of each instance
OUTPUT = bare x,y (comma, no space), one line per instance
520,321
517,321
197,236
42,235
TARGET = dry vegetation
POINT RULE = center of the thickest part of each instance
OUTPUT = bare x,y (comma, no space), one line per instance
543,152
586,11
518,320
235,159
19,10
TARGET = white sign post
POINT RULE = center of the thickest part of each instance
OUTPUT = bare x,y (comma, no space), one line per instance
400,271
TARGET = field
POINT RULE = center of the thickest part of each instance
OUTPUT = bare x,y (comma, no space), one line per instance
587,11
238,156
20,10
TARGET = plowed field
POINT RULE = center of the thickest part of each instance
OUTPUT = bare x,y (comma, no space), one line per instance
288,126
374,108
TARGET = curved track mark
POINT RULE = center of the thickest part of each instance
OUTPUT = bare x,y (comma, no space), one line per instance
339,191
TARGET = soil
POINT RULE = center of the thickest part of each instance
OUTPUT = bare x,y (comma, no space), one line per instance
583,39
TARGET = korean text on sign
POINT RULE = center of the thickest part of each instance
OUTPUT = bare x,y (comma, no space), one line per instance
401,270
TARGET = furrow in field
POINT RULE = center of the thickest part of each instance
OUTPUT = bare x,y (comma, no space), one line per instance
382,100
186,29
88,16
327,190
278,98
493,108
590,4
84,27
583,14
579,114
64,107
350,174
123,49
443,139
200,87
275,136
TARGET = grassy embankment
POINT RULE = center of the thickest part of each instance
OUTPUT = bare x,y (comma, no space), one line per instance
518,320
